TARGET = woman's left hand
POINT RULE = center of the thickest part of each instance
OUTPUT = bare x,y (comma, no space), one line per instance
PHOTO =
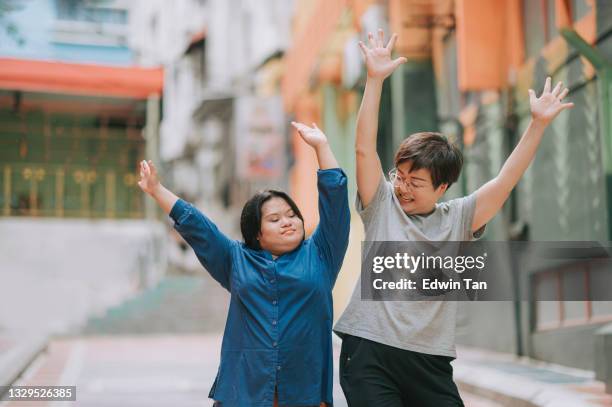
311,135
546,107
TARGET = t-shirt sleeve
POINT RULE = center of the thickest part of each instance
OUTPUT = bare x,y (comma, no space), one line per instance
383,193
467,206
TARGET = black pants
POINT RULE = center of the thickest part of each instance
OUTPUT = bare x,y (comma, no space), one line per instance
377,375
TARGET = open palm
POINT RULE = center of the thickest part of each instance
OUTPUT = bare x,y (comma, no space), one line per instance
149,179
546,107
378,56
313,136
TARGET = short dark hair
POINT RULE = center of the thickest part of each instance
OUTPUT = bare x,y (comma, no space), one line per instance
250,219
433,152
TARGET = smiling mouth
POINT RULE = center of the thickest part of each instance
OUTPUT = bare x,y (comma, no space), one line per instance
404,199
288,232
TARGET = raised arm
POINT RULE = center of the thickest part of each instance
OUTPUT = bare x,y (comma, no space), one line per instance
332,233
212,248
491,196
379,66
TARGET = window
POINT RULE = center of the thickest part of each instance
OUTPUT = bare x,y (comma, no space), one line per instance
79,10
561,295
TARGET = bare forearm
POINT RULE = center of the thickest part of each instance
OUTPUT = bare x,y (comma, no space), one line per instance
491,196
522,155
367,117
164,198
368,169
326,157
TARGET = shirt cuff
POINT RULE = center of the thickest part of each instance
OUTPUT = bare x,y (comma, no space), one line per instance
178,209
331,175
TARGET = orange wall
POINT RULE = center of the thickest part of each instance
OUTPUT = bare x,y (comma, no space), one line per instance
489,42
301,58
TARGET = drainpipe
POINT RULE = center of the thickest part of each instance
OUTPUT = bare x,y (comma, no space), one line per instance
603,68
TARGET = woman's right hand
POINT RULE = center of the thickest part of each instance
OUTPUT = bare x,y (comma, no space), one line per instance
378,56
149,181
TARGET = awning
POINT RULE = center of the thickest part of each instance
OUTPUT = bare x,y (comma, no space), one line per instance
85,79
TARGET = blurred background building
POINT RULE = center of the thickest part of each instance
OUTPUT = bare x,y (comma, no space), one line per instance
76,116
470,64
207,88
223,130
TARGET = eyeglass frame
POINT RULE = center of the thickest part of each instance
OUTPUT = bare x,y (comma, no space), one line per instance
394,177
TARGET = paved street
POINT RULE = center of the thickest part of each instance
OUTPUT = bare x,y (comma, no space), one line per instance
158,349
128,371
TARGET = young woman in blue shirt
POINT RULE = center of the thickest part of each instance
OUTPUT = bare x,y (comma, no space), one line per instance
277,347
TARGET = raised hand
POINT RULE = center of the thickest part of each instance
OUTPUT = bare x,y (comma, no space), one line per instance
550,103
149,181
378,56
313,136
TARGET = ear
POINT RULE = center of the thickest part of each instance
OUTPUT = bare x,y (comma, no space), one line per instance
442,188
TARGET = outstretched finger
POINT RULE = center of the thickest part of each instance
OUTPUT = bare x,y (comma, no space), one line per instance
398,61
391,42
371,40
563,94
547,85
381,38
300,127
555,92
567,105
152,167
147,170
532,96
364,49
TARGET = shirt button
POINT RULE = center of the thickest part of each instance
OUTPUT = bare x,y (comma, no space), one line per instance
278,367
274,322
275,344
273,281
274,302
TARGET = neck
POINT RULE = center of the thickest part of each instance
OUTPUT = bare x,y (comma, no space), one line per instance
427,212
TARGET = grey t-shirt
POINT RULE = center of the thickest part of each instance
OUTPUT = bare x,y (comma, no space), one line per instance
420,326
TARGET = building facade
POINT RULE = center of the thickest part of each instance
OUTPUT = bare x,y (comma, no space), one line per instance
76,117
223,131
470,64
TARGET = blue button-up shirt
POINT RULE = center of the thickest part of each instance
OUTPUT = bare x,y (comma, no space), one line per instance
279,324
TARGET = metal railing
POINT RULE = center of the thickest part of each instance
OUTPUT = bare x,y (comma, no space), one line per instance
56,190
